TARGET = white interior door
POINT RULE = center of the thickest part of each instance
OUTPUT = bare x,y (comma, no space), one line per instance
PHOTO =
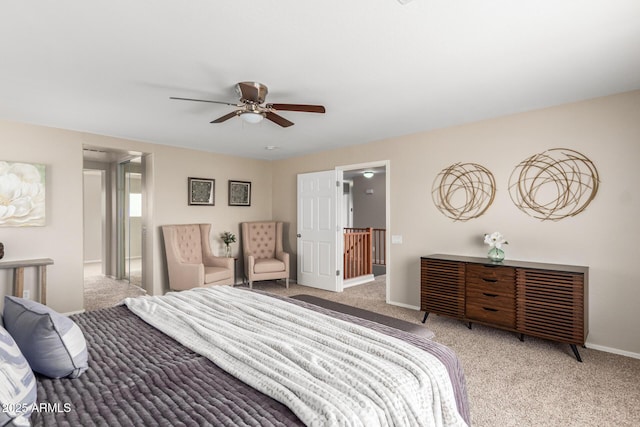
318,230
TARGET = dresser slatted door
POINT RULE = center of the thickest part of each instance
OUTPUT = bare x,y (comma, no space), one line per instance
550,304
442,287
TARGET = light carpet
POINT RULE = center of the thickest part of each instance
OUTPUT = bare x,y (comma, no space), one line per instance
103,292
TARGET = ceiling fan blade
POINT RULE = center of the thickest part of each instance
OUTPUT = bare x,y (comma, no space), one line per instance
249,92
225,117
298,107
278,119
204,100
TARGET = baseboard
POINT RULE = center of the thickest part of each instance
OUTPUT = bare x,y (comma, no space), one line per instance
613,350
360,280
399,304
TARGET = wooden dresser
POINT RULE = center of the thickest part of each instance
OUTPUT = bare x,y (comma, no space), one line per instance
548,301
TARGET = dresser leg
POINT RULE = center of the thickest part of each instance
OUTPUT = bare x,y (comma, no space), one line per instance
521,337
575,351
470,325
424,319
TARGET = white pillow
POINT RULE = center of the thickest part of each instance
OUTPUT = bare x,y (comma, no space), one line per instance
52,343
18,391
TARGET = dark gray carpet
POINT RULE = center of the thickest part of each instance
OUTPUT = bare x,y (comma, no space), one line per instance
412,328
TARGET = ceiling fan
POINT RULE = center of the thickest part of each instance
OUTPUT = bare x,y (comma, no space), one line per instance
251,108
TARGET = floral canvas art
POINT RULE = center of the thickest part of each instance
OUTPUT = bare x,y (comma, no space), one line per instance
22,194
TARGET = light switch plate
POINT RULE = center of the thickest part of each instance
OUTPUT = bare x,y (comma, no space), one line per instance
396,239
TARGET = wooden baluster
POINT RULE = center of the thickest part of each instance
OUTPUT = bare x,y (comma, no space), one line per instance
18,281
43,284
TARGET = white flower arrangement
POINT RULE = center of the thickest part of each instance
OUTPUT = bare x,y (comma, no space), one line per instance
228,238
495,240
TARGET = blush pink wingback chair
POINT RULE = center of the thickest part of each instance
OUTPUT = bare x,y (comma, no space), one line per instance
264,258
189,258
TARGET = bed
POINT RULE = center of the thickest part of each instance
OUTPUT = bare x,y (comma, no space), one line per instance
139,375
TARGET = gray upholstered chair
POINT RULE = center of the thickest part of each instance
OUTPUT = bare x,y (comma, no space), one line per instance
264,258
189,258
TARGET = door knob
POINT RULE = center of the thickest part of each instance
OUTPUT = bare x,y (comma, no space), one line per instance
299,235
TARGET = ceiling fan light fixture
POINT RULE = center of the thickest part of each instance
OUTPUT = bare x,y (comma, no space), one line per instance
252,96
367,174
252,117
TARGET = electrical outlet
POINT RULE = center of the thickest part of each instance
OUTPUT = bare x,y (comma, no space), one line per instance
26,294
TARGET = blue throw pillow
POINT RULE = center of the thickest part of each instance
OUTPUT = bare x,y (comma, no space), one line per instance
52,343
18,386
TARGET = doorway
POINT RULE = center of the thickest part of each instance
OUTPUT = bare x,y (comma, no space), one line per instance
365,207
117,249
364,210
343,209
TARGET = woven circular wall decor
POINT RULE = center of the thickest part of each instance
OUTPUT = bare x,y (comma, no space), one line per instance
555,184
463,191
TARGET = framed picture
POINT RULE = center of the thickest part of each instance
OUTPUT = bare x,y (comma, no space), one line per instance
22,194
202,191
239,193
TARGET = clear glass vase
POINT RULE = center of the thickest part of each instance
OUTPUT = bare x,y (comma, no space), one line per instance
227,251
496,254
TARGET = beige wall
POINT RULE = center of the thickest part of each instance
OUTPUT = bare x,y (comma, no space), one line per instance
62,238
92,215
603,237
171,168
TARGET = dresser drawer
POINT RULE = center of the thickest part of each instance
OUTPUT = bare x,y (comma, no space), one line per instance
490,299
490,271
491,314
495,279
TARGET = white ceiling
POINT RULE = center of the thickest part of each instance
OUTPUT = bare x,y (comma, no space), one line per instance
381,69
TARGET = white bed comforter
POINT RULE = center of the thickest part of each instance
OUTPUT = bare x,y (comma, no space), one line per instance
327,371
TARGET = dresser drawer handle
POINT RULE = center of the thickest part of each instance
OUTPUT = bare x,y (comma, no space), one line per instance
489,295
489,280
490,309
